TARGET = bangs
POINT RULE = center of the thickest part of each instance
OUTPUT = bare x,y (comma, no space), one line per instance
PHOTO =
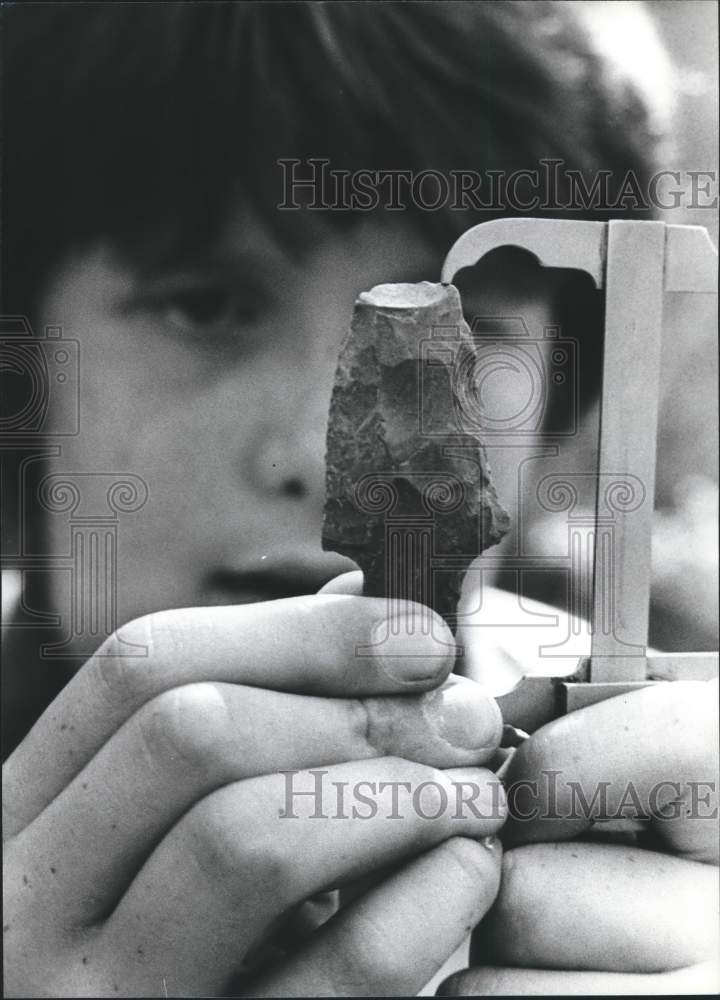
147,123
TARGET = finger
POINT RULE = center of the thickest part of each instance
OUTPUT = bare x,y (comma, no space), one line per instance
495,981
384,944
194,739
600,907
305,919
291,930
346,583
651,753
331,644
252,850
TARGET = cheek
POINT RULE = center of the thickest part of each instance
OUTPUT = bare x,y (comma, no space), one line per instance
181,448
199,447
145,403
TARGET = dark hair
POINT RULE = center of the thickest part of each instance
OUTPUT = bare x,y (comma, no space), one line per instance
141,122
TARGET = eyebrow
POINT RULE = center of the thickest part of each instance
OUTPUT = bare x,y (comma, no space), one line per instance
207,264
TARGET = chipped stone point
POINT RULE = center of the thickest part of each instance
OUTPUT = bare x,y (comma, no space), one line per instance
408,490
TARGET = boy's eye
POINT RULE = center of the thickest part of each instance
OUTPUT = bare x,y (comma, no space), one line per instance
199,309
205,314
211,313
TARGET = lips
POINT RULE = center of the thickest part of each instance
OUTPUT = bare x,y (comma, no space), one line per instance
271,576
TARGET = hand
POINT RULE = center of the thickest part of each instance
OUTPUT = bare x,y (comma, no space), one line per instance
603,918
146,849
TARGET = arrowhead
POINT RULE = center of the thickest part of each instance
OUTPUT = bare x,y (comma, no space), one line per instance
408,490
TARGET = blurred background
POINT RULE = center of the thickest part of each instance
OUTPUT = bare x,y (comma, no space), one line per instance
684,604
686,535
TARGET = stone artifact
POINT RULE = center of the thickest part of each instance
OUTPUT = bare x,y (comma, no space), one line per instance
408,490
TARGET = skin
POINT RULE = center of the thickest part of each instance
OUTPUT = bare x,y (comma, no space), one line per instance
626,921
144,851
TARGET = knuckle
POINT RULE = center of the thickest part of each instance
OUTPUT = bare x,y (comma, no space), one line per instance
184,727
122,677
209,843
308,616
275,867
234,861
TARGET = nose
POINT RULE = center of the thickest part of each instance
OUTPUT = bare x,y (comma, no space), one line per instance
285,456
288,450
288,461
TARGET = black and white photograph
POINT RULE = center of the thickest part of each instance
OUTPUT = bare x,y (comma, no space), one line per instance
359,498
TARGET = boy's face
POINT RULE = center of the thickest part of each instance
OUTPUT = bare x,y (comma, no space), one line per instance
212,384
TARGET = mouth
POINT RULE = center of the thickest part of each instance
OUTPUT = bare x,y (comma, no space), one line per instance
272,577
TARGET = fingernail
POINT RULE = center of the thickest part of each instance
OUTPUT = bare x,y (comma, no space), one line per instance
415,647
489,842
462,714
